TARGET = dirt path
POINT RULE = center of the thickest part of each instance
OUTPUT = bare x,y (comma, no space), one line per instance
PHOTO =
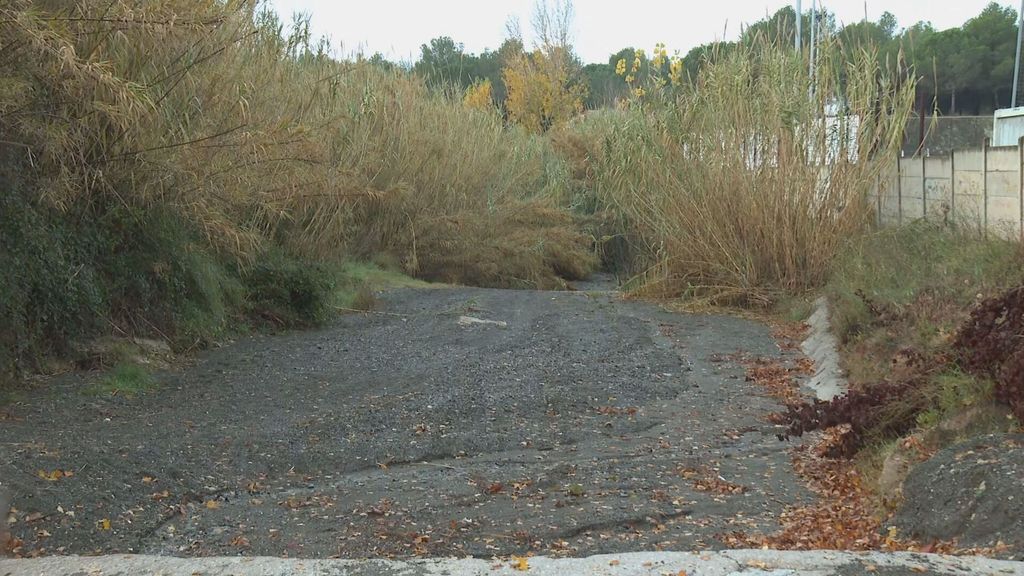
586,424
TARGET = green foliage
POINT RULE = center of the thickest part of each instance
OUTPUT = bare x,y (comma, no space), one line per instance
125,379
604,87
69,276
50,291
445,65
893,269
289,291
158,272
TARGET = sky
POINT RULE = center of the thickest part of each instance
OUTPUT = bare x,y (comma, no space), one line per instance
397,28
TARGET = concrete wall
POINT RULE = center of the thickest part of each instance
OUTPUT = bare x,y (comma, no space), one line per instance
978,187
948,133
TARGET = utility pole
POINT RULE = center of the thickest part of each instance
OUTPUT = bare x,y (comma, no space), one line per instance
1016,59
814,29
799,25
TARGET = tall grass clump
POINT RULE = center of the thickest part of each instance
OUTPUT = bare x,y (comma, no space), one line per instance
741,184
158,155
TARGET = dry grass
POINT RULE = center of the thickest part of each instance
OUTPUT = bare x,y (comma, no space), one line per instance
258,135
243,138
735,188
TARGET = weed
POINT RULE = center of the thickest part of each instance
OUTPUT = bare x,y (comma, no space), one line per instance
125,379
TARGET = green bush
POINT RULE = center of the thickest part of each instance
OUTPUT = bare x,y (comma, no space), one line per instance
70,276
161,277
49,291
288,291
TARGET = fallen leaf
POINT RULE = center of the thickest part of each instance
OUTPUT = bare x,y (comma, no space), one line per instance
613,562
212,504
148,479
53,476
34,516
520,563
103,524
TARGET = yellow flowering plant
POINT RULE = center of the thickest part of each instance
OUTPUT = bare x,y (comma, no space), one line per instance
662,72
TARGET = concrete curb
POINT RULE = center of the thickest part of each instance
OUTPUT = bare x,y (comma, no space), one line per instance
725,563
822,347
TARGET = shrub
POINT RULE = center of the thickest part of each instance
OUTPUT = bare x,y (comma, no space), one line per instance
736,187
288,291
991,344
50,291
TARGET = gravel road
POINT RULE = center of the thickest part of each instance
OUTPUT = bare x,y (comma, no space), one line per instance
566,423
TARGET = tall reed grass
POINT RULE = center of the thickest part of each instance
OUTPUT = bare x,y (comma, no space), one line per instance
210,116
740,185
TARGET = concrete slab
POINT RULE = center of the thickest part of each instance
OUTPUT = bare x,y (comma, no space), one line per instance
724,563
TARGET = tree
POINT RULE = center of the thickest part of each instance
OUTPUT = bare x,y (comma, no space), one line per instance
542,91
443,63
604,87
990,38
381,62
545,87
478,95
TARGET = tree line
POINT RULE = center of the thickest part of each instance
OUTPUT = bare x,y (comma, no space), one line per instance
962,70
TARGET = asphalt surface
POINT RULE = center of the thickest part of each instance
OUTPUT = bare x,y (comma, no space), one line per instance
586,424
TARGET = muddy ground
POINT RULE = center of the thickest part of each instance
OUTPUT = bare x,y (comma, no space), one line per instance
586,424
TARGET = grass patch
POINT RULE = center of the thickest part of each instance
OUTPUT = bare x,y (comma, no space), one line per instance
124,379
358,283
911,288
901,302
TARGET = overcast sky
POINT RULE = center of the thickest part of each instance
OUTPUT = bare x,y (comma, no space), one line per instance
397,28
